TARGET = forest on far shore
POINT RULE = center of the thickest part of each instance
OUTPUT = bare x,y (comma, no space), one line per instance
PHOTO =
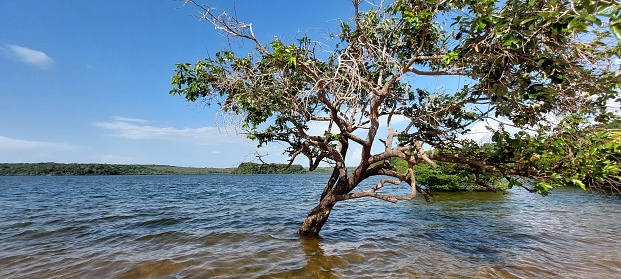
22,169
446,177
59,169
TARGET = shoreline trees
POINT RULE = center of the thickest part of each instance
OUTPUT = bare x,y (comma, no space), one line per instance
60,169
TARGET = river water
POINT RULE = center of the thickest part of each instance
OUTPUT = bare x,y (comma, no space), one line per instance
244,226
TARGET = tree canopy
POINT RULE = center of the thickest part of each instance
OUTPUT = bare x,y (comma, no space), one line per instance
537,72
255,168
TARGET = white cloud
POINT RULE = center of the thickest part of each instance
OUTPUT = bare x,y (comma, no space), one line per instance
9,144
127,119
318,128
354,155
480,132
30,56
131,128
614,107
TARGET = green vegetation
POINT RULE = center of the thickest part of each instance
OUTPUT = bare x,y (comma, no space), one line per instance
254,168
451,177
19,169
614,125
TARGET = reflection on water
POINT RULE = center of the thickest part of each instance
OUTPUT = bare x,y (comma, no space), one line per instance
317,263
221,226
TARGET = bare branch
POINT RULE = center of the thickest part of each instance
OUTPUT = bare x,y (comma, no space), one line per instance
228,24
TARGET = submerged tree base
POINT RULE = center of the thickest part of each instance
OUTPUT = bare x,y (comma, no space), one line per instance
316,219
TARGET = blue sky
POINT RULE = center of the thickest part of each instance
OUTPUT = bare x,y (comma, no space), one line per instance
88,81
85,81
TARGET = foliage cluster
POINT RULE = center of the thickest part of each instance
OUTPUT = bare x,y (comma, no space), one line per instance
255,168
451,177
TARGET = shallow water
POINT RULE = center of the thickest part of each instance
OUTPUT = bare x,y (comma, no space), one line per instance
226,226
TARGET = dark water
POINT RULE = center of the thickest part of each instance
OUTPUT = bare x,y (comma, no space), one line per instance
221,226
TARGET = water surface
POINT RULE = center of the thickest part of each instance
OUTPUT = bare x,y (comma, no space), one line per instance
244,226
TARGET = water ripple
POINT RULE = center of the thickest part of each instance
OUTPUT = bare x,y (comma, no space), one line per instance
222,226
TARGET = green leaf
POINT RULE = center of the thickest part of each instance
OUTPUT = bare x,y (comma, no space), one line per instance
605,10
528,20
292,61
616,30
592,150
579,183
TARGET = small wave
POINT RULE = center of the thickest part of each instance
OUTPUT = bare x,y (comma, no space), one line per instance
169,236
34,234
159,222
19,225
147,229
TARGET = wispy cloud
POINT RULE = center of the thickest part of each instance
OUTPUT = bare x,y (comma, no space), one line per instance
614,107
127,119
131,128
9,144
30,56
481,132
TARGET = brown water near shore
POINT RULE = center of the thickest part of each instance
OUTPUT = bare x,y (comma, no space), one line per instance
224,226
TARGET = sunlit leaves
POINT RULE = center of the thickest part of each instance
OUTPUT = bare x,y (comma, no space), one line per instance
571,154
450,57
283,53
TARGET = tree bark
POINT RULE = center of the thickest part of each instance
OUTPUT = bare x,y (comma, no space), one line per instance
317,217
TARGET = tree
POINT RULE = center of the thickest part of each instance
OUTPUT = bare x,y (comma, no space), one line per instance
255,168
521,63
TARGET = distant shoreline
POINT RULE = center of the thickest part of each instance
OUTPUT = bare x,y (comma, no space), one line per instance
84,169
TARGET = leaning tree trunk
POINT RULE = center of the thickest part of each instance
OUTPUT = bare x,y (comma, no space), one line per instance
317,217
